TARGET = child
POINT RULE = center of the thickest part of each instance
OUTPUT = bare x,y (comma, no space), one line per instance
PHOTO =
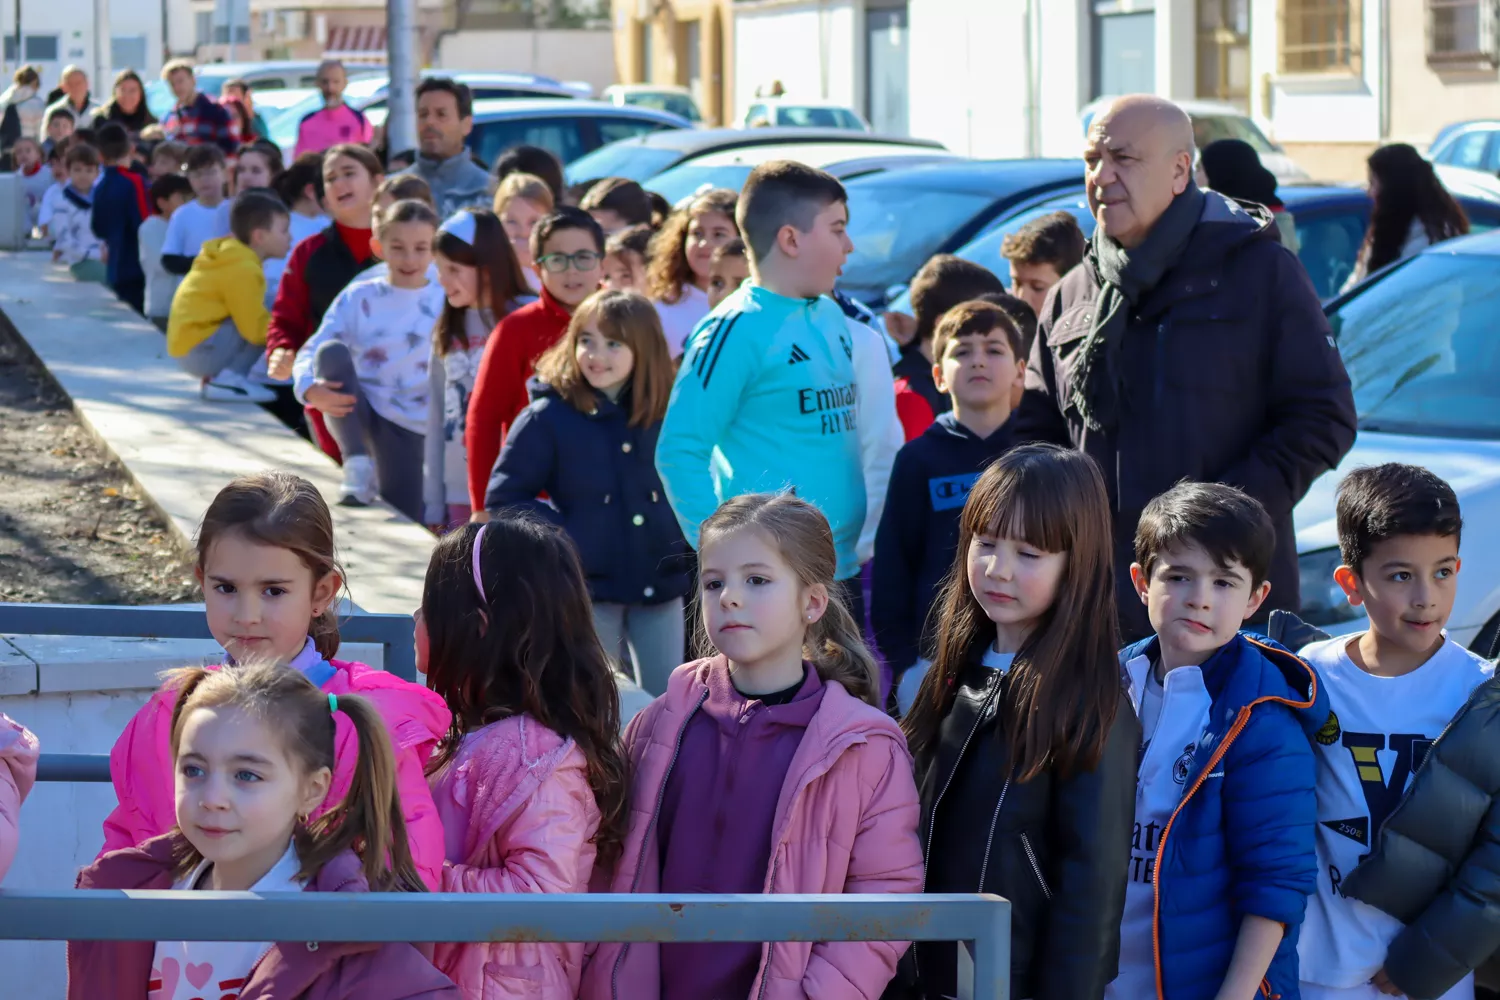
74,243
255,750
18,755
681,257
979,364
119,207
271,586
56,169
521,201
300,188
1040,253
35,178
168,158
256,165
366,368
217,325
625,256
567,246
766,768
530,781
483,283
59,126
1024,317
588,443
617,203
1024,741
728,271
204,218
1222,856
402,187
168,193
942,283
1393,688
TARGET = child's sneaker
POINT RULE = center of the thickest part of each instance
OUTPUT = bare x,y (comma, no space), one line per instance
360,487
231,387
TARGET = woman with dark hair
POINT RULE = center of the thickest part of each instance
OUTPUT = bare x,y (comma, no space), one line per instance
128,104
1412,210
1232,167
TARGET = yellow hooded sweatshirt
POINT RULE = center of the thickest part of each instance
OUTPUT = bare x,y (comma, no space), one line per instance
227,282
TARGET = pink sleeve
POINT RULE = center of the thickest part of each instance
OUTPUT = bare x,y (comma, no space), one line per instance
140,767
18,753
424,829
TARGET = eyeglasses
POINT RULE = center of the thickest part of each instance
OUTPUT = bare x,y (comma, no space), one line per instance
583,260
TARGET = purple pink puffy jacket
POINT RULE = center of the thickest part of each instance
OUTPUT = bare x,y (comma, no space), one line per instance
18,753
520,817
140,764
846,822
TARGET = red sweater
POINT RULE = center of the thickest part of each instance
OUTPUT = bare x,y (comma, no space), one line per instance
500,386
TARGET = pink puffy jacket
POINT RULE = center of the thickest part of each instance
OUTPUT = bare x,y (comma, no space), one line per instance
846,822
18,753
141,762
520,817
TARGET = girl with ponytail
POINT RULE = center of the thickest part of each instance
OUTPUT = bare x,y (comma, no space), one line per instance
271,583
254,754
766,767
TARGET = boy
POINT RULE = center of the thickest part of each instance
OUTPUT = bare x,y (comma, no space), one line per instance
119,207
217,328
942,283
167,158
568,246
1040,253
625,259
1024,317
58,171
74,243
168,193
1226,770
59,126
727,271
980,363
204,218
31,164
1393,687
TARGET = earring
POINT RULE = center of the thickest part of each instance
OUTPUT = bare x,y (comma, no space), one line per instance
302,819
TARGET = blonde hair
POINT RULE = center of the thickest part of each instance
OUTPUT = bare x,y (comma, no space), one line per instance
529,187
834,644
632,320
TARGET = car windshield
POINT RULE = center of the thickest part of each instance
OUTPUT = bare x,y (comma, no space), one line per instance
627,158
895,229
684,181
1420,347
1212,128
677,104
818,118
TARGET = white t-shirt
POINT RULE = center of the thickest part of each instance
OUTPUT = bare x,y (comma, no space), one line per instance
193,225
161,284
1174,714
49,204
302,226
1386,725
679,318
190,970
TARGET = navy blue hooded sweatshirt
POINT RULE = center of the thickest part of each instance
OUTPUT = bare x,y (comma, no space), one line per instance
918,532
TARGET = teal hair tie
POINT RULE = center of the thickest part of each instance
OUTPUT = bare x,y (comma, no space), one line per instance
333,703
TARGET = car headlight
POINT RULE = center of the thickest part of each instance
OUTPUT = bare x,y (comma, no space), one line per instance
1323,600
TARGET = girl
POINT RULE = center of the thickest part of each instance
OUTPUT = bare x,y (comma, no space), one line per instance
320,266
483,283
257,165
1411,210
625,259
1025,742
366,368
270,583
521,201
588,442
18,755
617,203
682,256
766,768
530,781
300,186
254,753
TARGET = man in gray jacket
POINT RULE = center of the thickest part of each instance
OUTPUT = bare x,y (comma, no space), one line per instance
445,117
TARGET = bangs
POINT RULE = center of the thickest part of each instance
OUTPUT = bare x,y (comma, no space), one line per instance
455,249
1025,502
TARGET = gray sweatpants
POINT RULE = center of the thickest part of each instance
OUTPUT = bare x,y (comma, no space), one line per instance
653,633
363,432
224,349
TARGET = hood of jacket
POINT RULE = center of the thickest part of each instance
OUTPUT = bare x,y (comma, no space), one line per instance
1225,225
223,254
497,772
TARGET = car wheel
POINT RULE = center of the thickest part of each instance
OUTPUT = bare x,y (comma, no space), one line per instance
1487,642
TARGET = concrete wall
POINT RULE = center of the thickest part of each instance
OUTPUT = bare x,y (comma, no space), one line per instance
566,55
815,50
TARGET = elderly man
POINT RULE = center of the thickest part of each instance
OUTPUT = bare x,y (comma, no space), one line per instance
445,117
76,98
335,122
1189,344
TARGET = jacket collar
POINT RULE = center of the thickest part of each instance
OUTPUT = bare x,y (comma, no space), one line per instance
77,199
554,308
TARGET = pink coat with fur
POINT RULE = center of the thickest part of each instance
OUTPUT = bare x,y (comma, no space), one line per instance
846,822
18,753
520,817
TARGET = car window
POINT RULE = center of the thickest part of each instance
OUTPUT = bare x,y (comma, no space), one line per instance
817,118
677,104
622,159
1420,348
896,228
1466,151
562,136
1483,215
1212,128
1328,243
757,116
277,83
683,181
614,129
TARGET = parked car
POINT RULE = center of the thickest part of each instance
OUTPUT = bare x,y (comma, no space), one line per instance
766,112
677,100
1418,340
844,160
646,156
273,103
1474,145
268,75
1213,121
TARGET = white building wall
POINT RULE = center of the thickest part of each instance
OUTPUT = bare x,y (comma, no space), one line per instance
1316,108
816,51
567,55
71,23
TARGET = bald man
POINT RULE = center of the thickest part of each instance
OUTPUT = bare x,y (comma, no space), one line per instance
1189,344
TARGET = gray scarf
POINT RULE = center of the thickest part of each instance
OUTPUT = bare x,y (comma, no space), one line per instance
1125,276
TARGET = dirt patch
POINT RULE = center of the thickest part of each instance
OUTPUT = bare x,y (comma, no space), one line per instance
73,527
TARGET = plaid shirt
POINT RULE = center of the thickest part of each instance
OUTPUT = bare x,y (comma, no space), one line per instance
201,123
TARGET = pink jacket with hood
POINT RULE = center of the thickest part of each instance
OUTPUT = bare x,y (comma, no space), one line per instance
291,970
846,822
18,753
520,817
141,762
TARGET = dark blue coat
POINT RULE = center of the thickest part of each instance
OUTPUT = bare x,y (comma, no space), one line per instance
116,219
1241,841
600,475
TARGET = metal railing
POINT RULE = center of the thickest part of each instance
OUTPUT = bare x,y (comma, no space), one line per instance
980,924
394,632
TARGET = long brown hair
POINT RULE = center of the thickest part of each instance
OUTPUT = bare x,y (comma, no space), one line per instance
524,644
834,644
633,321
285,512
368,821
1409,191
668,270
500,279
1064,687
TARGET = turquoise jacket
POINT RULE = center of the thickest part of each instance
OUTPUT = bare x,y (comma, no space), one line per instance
765,400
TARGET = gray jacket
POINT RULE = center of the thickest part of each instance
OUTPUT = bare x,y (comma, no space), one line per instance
457,182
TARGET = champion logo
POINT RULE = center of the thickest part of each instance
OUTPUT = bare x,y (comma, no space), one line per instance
798,355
